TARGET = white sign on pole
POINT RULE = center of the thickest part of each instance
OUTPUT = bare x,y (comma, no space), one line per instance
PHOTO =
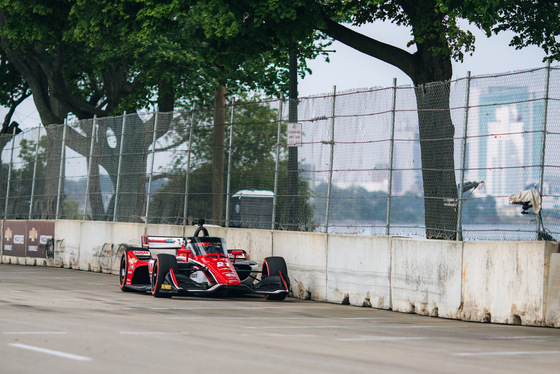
294,135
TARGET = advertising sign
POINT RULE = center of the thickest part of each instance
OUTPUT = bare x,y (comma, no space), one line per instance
39,233
14,238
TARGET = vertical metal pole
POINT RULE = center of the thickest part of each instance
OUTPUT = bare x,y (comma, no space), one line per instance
119,169
543,148
152,167
463,162
293,175
61,169
185,206
391,152
31,201
10,173
331,163
228,186
92,143
277,167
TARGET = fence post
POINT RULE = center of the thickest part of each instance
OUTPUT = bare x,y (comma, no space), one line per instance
61,169
277,167
331,163
185,205
151,167
10,173
543,148
31,200
228,185
391,152
463,161
119,169
92,143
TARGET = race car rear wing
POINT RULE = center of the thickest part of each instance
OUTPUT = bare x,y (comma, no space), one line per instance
162,242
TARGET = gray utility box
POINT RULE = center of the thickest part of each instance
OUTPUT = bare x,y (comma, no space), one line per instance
252,209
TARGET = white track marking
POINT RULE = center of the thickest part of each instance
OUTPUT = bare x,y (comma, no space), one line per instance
513,353
300,327
51,352
284,335
373,326
276,318
34,333
152,333
383,338
516,337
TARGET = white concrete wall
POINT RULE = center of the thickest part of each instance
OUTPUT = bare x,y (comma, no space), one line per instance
358,270
553,292
257,243
505,282
305,255
426,277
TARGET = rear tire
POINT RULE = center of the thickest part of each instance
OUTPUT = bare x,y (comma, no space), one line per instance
123,271
276,266
162,264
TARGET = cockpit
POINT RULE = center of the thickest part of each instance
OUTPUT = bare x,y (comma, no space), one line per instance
206,245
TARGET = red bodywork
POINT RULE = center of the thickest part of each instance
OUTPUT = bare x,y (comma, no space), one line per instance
198,265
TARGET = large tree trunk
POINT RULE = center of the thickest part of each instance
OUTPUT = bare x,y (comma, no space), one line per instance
438,170
425,68
53,182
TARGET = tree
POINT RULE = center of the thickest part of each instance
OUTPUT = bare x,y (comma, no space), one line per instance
253,159
13,91
438,39
42,41
137,53
27,182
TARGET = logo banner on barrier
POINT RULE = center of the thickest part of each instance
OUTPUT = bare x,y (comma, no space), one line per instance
14,238
27,238
39,235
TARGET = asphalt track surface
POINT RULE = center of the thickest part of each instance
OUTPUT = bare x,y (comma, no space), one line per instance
67,321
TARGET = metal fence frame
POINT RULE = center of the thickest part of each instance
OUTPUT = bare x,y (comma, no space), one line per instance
332,118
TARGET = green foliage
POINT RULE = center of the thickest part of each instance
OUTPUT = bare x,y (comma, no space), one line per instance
22,181
134,46
71,210
482,210
255,132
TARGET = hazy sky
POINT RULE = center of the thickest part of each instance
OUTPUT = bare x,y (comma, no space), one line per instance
351,69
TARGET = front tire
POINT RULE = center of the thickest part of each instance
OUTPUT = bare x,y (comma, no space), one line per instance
162,265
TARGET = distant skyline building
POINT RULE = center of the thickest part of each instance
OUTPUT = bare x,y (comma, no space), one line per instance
504,139
407,161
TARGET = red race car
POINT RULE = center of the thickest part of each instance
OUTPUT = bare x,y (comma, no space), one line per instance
201,265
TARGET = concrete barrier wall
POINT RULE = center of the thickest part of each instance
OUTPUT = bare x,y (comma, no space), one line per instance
305,255
426,277
504,282
359,270
553,292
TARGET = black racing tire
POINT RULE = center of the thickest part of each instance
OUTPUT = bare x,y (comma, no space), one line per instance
162,264
276,265
123,270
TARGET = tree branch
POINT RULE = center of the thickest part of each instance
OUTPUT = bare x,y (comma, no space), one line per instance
371,47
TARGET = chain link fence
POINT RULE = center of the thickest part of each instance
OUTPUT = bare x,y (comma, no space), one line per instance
381,161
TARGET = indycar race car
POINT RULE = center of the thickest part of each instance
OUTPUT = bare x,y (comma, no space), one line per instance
201,265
